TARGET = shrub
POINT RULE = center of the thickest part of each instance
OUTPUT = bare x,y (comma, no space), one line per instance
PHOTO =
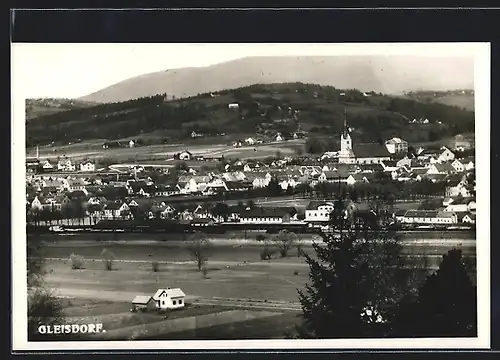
76,261
260,237
155,266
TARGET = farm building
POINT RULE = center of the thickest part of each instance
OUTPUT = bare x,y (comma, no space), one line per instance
426,217
169,298
143,303
185,155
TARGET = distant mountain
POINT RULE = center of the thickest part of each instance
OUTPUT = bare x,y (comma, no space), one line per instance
382,74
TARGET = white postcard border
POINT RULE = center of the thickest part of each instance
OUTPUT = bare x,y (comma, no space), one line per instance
481,53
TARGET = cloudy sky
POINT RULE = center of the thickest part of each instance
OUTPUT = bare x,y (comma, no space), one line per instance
74,70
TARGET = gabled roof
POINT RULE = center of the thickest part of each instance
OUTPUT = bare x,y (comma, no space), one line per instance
421,213
371,150
444,167
336,174
372,167
173,293
141,299
112,205
268,212
471,216
314,204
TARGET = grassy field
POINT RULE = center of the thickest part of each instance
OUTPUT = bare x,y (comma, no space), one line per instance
159,153
240,297
185,323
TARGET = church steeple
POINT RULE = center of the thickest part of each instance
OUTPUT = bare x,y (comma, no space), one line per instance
345,130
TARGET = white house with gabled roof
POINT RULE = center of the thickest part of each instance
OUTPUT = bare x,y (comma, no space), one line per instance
169,298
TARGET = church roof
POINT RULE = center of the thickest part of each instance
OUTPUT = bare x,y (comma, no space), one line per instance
372,150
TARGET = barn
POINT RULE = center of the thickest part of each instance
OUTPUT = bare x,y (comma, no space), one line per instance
143,303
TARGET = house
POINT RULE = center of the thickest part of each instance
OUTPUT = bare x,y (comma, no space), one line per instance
427,217
469,218
468,162
389,165
115,210
87,166
356,178
287,182
318,211
268,215
460,143
333,176
461,204
250,141
458,165
443,168
65,165
425,154
77,184
169,298
258,179
446,155
166,190
456,188
185,155
396,146
279,137
143,303
233,106
131,143
47,166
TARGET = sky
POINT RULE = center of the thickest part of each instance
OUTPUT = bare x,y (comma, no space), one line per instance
75,70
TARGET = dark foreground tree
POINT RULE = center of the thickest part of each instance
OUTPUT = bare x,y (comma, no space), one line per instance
446,305
43,307
356,281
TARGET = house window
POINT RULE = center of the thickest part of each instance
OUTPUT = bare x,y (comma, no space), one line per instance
180,302
163,302
174,302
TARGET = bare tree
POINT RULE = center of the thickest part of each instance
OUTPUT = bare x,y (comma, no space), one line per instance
198,248
108,258
284,240
299,244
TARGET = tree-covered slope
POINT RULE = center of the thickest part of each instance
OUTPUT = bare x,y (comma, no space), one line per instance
262,109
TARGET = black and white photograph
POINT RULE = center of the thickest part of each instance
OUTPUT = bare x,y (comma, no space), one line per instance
241,196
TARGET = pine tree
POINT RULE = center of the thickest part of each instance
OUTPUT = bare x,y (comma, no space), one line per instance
446,305
356,282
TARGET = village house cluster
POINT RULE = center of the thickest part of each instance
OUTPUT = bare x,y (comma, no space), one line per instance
111,194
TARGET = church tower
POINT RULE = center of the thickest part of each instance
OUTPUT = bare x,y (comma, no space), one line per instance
345,138
346,155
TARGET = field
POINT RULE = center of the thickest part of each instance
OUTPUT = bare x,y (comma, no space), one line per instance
163,154
241,296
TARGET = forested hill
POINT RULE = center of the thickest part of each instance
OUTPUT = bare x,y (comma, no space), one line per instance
262,110
38,107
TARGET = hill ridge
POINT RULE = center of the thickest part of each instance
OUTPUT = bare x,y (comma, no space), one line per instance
390,75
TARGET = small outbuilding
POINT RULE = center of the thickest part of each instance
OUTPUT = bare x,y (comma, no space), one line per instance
169,298
143,303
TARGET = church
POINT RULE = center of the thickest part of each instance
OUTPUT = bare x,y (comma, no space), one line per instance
371,153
